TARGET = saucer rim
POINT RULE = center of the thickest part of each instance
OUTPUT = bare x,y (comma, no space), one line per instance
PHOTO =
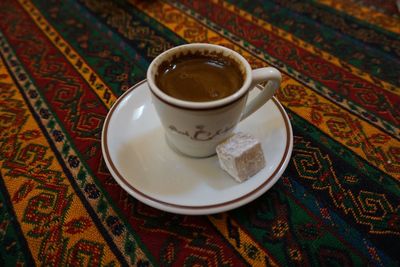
198,209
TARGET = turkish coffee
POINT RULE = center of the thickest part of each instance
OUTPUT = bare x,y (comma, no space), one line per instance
199,78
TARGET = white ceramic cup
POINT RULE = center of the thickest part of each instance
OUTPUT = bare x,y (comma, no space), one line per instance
196,128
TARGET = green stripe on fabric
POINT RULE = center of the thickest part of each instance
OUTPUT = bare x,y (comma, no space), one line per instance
375,62
291,233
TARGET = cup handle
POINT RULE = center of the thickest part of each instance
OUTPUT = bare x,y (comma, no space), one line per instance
274,78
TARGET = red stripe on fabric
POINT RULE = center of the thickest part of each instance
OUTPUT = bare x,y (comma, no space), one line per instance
334,77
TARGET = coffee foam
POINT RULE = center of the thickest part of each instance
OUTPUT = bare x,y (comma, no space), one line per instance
177,52
199,77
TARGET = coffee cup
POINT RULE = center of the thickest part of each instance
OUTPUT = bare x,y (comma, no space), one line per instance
195,122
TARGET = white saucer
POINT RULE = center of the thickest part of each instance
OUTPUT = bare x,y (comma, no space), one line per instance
138,157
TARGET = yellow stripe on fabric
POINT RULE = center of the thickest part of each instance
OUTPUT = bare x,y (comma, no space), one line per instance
367,141
242,242
309,47
375,146
93,80
51,216
365,14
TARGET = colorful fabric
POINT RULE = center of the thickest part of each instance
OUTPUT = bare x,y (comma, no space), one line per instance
64,63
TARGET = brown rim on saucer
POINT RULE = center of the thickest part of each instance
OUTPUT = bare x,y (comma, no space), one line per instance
126,183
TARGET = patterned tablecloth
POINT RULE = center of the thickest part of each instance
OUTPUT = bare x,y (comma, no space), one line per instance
64,63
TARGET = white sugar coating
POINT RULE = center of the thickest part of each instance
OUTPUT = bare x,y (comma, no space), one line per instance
239,143
241,156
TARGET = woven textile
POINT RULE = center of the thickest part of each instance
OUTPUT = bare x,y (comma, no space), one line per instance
64,63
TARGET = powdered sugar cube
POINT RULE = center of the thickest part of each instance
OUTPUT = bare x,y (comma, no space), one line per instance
241,156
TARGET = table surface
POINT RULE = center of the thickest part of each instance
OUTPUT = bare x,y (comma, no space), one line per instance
64,63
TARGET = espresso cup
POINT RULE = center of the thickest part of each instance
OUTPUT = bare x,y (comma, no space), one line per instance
196,128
